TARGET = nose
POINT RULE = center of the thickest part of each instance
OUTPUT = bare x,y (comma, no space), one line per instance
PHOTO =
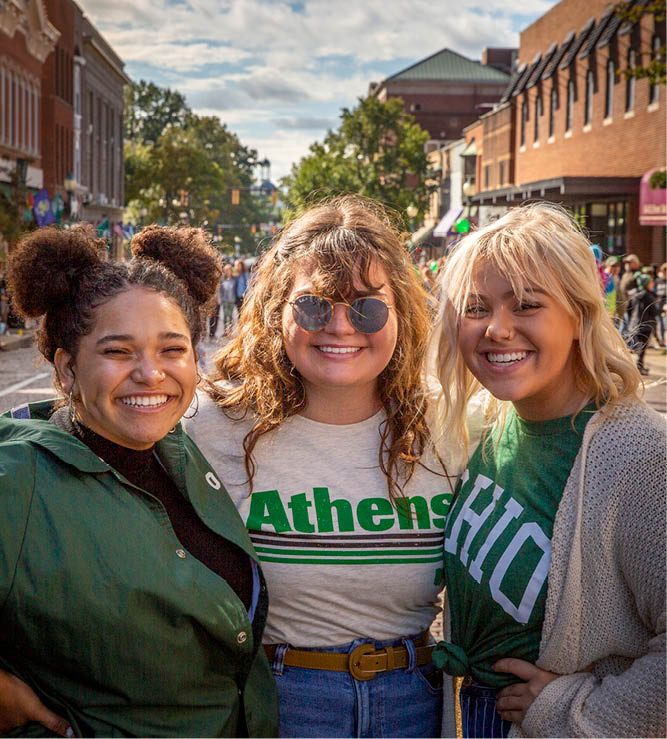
340,323
500,326
148,372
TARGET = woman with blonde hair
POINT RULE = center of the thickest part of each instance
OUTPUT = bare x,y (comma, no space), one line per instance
555,542
316,423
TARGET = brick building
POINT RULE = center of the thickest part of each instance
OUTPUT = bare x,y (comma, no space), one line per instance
98,172
570,128
26,39
447,91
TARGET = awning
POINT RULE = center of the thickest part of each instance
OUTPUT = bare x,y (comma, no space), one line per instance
652,202
470,150
448,220
421,235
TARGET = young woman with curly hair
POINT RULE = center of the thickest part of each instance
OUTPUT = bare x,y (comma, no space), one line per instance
316,421
131,600
555,542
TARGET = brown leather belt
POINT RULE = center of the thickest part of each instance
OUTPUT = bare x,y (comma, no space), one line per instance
363,663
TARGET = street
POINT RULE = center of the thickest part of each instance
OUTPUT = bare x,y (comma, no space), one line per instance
25,378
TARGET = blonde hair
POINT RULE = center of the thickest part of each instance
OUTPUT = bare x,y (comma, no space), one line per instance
341,241
538,245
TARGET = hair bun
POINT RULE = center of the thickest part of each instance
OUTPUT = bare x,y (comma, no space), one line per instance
186,252
47,265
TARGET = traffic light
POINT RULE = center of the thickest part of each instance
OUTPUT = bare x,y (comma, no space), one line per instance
236,196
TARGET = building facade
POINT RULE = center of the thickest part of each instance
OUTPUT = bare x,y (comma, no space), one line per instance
447,91
27,38
571,128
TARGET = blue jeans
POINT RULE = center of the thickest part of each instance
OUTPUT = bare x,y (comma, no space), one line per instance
478,712
322,703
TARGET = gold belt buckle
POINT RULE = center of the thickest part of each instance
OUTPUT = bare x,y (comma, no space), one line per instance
354,662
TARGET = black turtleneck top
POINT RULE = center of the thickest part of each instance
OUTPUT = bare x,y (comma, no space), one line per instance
142,468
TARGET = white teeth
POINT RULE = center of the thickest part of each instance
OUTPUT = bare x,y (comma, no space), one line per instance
339,349
506,358
145,400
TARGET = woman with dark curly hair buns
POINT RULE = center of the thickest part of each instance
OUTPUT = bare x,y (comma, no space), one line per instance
131,600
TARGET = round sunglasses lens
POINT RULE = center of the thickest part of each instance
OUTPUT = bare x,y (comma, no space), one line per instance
369,315
311,313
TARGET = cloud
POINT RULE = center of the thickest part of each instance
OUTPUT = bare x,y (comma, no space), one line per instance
270,86
304,123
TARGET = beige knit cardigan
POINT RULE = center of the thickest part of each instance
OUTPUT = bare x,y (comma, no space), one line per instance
606,589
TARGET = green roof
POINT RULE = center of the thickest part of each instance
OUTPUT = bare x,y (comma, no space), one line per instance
448,65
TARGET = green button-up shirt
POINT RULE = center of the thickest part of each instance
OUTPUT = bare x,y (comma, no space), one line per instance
103,612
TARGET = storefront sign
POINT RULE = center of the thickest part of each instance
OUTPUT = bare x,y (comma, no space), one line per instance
652,202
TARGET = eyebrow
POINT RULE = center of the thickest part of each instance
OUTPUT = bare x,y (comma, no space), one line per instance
357,293
166,335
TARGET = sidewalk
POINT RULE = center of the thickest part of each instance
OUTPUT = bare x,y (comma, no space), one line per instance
15,340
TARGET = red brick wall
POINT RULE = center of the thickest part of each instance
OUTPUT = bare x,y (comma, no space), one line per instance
499,146
445,108
58,115
626,145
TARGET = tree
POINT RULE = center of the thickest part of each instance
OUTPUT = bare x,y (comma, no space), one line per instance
378,151
150,109
651,64
13,207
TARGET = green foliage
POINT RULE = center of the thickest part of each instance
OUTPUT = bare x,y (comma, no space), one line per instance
12,208
149,109
651,64
377,151
658,180
180,167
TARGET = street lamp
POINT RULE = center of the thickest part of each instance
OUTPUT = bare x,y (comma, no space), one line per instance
412,211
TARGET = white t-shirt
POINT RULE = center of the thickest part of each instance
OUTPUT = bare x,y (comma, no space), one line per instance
339,560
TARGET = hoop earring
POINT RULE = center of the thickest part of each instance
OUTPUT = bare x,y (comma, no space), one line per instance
70,407
196,408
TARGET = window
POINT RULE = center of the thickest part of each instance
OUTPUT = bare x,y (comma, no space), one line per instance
609,92
538,115
487,176
570,105
590,89
630,82
553,105
501,173
654,90
524,121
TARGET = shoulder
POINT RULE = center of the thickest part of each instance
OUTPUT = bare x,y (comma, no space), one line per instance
628,429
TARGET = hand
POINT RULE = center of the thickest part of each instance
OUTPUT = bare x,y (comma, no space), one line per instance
20,705
513,701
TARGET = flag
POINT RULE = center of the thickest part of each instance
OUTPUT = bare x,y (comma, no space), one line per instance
103,229
42,209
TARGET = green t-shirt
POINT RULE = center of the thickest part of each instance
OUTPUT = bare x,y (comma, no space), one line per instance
498,544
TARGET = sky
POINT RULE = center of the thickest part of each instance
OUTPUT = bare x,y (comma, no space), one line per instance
278,72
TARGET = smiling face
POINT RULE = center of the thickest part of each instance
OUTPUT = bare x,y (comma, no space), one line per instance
338,357
520,350
135,374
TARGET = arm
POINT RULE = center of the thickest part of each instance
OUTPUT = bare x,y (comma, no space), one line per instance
623,547
19,704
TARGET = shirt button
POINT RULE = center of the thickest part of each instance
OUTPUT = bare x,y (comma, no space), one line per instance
241,638
180,553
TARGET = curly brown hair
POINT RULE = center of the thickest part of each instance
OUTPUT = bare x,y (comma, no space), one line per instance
341,240
64,275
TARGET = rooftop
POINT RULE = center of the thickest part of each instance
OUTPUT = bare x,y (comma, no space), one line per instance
449,65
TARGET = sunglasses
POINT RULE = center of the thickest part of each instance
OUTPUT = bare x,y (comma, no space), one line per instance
313,313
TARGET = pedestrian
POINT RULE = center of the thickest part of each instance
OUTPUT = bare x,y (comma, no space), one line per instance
316,421
643,309
132,601
242,279
661,295
631,264
4,313
227,297
555,543
612,270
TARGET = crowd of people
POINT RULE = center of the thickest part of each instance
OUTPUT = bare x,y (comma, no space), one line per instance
259,551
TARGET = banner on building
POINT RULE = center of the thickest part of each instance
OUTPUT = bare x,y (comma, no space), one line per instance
652,202
42,209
